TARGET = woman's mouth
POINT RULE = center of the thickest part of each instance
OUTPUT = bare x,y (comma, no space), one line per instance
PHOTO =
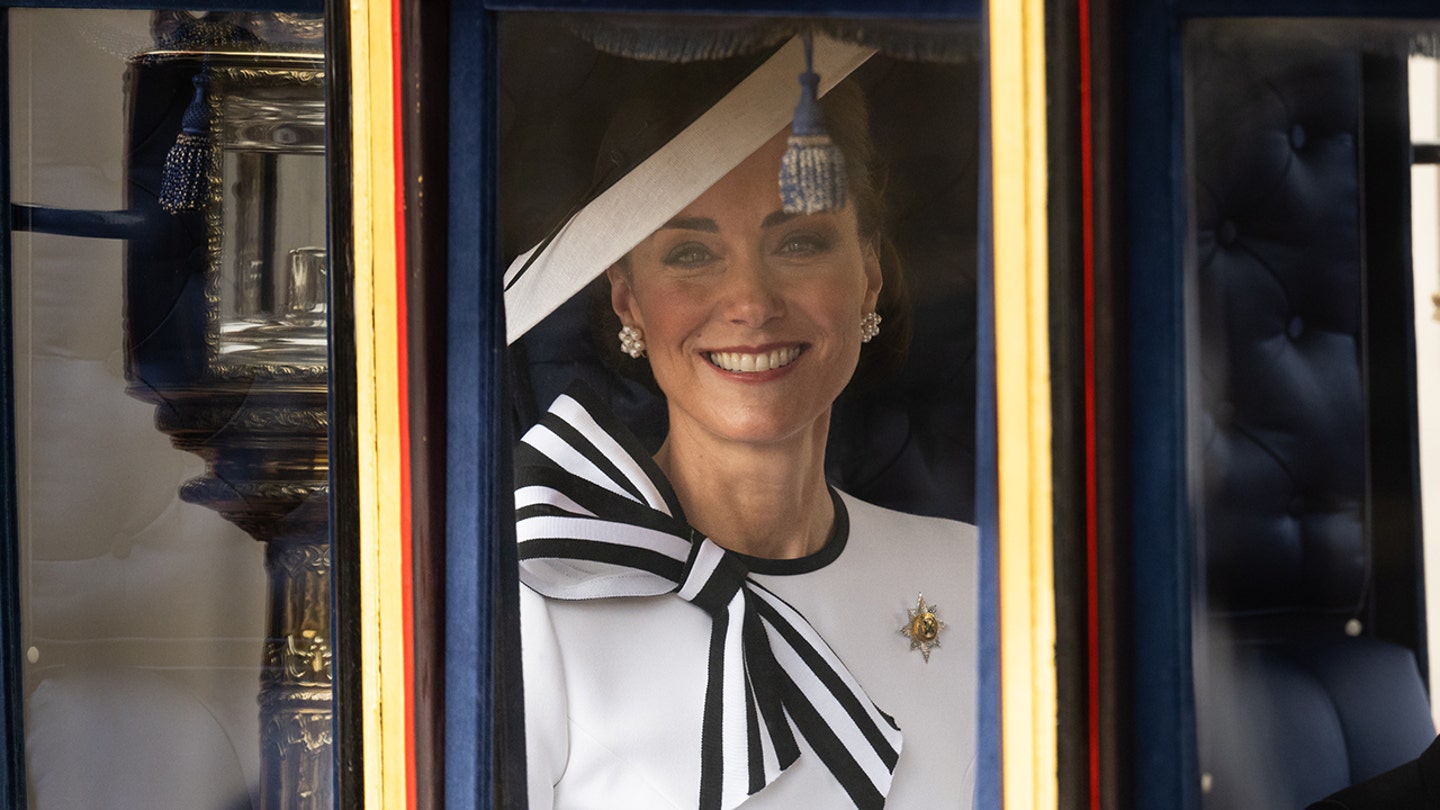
748,363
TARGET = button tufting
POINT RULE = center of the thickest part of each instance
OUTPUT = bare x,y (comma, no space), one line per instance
1297,136
1227,232
1296,327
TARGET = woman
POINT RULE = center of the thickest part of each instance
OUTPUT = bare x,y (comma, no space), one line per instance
716,626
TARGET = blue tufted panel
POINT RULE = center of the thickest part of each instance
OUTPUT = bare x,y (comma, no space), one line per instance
1278,260
1289,707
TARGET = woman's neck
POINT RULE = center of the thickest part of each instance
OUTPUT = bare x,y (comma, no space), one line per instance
767,500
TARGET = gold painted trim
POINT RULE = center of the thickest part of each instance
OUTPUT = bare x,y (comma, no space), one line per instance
382,647
1028,702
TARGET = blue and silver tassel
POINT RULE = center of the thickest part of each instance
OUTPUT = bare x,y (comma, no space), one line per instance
185,183
812,173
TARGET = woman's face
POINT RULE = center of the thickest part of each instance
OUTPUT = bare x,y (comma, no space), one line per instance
751,316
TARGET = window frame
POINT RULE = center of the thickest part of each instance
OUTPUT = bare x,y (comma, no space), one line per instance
345,564
1158,542
480,580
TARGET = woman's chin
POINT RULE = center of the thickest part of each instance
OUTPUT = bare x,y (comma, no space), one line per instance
768,406
775,422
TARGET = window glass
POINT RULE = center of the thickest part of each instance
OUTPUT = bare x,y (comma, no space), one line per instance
1305,452
169,288
640,186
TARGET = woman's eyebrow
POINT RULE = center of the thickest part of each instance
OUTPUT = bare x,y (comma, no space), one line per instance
708,225
777,218
705,224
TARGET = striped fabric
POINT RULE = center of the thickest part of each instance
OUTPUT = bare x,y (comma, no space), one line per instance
596,518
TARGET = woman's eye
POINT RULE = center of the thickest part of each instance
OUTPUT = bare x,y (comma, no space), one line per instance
690,254
803,244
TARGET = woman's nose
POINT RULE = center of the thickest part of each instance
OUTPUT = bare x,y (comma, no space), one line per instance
751,296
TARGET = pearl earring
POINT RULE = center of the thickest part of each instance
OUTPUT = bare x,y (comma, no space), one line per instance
632,342
869,326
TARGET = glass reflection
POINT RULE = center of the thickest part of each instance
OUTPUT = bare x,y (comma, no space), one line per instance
152,625
272,259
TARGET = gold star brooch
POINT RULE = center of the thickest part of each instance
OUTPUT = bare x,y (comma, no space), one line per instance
923,627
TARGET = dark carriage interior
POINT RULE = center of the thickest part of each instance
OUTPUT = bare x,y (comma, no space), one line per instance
1310,653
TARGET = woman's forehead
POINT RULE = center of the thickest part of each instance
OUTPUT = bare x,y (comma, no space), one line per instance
753,184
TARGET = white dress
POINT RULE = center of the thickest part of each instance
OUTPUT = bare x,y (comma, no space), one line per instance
614,688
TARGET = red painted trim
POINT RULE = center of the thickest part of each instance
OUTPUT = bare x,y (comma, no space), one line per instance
1087,231
402,389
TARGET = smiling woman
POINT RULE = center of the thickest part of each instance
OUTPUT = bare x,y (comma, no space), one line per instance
708,621
752,322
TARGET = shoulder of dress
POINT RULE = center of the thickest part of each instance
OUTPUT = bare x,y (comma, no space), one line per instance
866,517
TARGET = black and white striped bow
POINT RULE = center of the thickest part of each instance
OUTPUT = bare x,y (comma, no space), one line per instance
596,518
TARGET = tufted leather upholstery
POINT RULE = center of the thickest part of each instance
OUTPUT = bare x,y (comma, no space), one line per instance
1289,707
1279,314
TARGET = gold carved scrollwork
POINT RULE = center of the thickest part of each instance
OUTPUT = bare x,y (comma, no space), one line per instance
214,419
310,657
311,730
210,491
265,371
308,557
299,742
302,658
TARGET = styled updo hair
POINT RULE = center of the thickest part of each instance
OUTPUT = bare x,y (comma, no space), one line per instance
847,119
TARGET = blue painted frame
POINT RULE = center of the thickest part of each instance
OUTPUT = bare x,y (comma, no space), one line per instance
474,423
1164,747
479,534
989,781
1165,768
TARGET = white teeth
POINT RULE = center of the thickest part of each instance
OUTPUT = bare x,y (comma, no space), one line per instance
765,361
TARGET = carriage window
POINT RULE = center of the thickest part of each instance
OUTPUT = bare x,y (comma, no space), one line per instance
1305,449
774,335
168,291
